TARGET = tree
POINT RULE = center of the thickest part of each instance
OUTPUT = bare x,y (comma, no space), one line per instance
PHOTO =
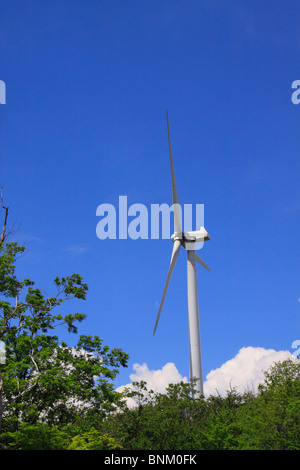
37,437
272,420
159,421
41,436
175,420
43,379
93,440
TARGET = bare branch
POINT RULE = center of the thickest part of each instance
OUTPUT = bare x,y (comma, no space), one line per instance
3,235
31,357
30,387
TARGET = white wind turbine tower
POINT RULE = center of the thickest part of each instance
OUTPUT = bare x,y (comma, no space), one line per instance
188,241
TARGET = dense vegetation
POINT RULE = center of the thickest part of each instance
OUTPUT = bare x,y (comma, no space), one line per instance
53,396
175,421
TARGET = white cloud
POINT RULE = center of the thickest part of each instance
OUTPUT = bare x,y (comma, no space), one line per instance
157,380
244,371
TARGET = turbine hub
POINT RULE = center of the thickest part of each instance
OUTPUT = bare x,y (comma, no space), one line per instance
176,236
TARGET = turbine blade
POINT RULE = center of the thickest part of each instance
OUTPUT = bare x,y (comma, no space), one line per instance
172,265
201,262
176,207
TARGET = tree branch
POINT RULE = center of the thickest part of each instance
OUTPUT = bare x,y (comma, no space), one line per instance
3,235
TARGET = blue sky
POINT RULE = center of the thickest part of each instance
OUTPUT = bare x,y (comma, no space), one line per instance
87,87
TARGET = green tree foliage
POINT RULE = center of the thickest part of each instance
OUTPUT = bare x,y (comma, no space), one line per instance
93,440
175,420
43,379
272,420
41,436
38,436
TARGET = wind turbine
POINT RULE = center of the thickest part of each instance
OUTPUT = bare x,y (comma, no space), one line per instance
188,241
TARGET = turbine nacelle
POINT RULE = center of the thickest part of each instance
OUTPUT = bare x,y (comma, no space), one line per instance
186,238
